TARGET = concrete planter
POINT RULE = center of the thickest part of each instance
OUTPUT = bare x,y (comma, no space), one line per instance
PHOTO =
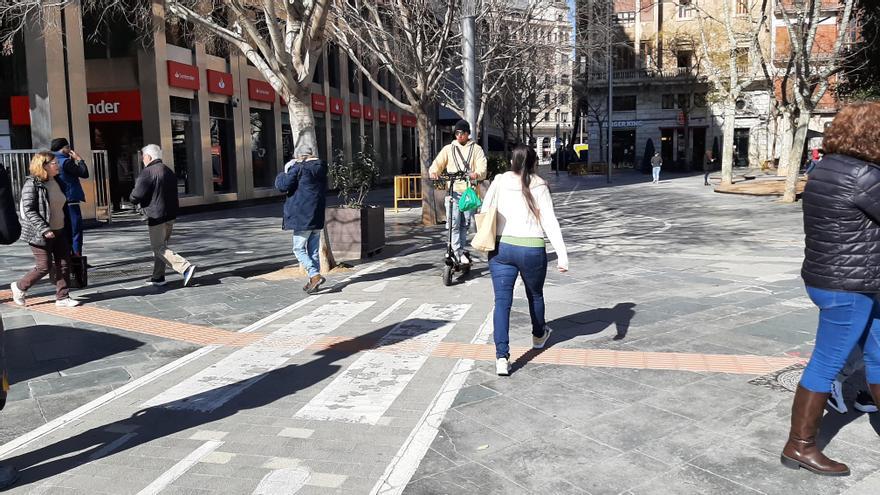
355,233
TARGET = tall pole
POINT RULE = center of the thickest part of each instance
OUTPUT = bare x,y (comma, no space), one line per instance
610,87
558,142
469,59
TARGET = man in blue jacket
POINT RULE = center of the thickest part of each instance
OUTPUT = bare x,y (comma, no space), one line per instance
72,168
304,180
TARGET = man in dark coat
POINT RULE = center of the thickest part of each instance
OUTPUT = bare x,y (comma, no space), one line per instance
10,230
72,168
155,191
304,180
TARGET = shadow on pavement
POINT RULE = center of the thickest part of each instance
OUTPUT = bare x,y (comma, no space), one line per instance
585,323
833,422
160,421
376,276
38,350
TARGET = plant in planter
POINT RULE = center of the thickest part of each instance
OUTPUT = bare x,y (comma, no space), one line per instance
356,230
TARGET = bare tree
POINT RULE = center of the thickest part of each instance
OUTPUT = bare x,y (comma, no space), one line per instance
413,41
733,58
282,39
813,61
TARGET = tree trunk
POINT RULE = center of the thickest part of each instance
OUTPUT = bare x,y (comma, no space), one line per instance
429,208
794,156
785,147
302,126
728,145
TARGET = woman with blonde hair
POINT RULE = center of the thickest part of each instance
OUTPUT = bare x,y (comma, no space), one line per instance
42,224
524,217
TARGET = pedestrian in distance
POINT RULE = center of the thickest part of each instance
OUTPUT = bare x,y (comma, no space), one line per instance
304,181
524,216
708,166
841,262
72,168
461,155
155,192
43,218
656,164
10,231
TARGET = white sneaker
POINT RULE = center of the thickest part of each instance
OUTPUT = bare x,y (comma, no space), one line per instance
67,303
18,295
835,400
539,342
502,367
188,275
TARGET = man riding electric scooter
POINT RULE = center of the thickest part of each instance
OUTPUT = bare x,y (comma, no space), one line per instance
461,155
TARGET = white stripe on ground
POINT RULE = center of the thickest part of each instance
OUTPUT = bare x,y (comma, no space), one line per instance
391,309
283,481
177,470
407,460
215,385
373,382
81,411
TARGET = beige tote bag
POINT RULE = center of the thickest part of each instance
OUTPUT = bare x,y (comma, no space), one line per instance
485,238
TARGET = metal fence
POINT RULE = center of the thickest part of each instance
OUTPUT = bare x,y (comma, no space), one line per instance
17,162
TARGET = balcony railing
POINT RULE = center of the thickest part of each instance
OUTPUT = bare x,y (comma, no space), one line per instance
643,74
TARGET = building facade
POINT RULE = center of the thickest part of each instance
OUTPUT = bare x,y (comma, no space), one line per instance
661,99
554,118
225,132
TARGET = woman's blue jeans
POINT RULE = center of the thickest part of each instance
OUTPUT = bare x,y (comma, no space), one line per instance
845,318
505,264
306,245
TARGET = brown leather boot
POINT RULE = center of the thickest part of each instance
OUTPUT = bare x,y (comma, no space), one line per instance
801,451
315,284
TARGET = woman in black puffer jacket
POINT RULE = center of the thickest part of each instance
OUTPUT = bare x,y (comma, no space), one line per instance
841,272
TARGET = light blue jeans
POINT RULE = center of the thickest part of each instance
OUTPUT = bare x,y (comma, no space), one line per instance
845,320
306,246
655,171
461,222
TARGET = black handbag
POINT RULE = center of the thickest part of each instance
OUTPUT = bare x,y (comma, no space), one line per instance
79,274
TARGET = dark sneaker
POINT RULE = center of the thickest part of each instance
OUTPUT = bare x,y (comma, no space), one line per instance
865,403
8,476
188,275
835,400
157,282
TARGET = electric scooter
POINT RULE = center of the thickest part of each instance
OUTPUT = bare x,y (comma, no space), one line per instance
452,263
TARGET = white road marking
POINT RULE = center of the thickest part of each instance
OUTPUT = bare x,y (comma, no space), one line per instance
391,309
373,382
283,481
407,460
217,384
379,287
177,470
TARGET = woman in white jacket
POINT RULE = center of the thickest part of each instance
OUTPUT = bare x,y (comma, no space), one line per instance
524,216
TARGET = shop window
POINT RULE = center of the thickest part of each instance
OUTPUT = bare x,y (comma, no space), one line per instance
352,76
356,136
366,86
222,147
624,103
368,133
410,153
287,139
179,33
383,157
393,156
184,141
333,66
667,102
263,147
107,38
318,77
336,134
321,138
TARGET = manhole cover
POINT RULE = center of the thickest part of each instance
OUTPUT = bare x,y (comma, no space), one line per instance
786,379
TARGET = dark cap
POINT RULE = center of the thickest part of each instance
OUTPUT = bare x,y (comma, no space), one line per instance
58,143
463,126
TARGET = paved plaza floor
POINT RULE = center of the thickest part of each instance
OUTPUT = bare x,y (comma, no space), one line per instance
679,332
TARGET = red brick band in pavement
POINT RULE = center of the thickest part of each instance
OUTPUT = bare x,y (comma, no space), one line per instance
589,358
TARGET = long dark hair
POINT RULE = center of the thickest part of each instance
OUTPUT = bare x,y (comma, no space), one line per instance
522,163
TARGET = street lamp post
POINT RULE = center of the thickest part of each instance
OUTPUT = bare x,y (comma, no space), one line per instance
469,50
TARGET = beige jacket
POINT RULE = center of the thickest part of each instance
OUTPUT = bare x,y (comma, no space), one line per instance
449,160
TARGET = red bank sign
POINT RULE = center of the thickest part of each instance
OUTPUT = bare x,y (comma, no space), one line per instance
337,106
219,82
183,75
319,102
260,91
104,106
392,117
408,120
368,112
354,109
383,115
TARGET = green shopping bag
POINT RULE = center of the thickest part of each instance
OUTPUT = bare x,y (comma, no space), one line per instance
470,200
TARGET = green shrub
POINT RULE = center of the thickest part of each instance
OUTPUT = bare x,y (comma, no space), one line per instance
354,178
